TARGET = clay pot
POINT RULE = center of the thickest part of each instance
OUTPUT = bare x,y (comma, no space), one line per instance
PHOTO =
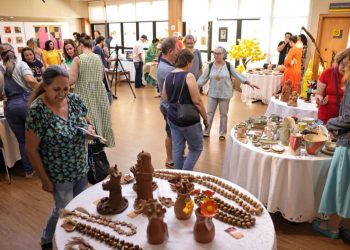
180,204
314,143
204,229
157,231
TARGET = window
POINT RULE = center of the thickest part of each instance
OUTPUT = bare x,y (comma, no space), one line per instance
114,31
130,34
162,29
146,28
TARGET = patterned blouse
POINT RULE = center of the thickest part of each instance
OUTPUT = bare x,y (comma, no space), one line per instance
63,147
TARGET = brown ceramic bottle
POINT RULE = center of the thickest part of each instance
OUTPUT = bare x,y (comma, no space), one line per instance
157,230
204,229
180,204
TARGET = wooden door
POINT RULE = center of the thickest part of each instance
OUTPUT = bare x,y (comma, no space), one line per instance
332,38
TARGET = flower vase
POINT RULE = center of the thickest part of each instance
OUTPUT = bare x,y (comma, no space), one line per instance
204,229
157,230
180,204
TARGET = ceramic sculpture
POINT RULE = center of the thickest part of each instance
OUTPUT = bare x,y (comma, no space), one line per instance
115,203
286,91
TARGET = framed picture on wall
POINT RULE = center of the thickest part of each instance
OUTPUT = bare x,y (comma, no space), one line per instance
19,39
18,29
7,29
223,34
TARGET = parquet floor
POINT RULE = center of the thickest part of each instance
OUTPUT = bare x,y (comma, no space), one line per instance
138,125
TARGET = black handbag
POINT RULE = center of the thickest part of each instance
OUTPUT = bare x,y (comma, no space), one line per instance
186,112
98,162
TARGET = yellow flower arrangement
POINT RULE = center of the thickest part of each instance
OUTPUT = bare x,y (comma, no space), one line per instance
189,207
247,50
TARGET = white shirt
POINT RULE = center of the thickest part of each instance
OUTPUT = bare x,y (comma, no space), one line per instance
138,49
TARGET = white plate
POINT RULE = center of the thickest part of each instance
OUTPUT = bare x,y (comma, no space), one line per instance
277,148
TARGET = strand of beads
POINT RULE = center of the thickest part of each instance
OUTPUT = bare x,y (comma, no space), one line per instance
102,236
105,221
231,193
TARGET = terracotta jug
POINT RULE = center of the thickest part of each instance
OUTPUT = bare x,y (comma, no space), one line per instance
157,231
204,229
180,204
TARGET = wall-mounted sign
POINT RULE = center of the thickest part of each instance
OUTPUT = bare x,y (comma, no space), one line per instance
337,33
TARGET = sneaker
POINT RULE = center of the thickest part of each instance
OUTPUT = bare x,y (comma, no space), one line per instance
205,135
222,138
169,165
46,246
29,176
328,231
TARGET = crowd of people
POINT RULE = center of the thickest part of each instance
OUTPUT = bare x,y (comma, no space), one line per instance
73,92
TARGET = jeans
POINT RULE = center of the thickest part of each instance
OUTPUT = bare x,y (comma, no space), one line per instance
138,74
194,138
16,111
223,108
63,193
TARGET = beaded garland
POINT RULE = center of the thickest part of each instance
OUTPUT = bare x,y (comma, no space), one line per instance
100,235
227,213
105,221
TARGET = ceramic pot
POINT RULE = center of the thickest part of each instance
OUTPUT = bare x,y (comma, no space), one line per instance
157,231
180,204
204,229
314,143
294,147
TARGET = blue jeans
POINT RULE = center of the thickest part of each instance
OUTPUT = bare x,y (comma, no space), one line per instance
16,111
138,74
63,193
194,137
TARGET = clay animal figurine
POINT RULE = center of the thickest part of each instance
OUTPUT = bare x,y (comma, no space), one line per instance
143,172
286,91
293,100
157,230
115,203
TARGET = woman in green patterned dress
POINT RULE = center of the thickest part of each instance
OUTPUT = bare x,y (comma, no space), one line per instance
56,149
86,73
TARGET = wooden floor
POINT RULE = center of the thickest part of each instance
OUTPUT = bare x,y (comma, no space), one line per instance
138,125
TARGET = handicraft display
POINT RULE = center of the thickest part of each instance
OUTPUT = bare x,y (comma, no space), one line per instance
157,230
144,186
115,203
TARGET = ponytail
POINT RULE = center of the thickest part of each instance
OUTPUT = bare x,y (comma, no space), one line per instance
36,93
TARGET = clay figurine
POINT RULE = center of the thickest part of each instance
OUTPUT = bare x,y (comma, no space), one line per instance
293,100
143,172
115,203
286,91
183,187
157,230
287,127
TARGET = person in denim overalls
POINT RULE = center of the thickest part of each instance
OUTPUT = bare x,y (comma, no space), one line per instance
18,84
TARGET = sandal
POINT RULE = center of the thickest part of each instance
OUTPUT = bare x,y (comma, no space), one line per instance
169,165
221,138
345,234
316,225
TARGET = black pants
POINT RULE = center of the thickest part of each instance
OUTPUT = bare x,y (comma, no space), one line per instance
138,75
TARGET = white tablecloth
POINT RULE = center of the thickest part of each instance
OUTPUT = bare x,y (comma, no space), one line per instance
268,85
261,236
292,185
10,147
128,66
281,109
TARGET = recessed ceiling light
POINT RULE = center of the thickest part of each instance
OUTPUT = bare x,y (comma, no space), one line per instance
11,17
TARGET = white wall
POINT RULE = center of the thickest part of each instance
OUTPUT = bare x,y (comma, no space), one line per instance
38,9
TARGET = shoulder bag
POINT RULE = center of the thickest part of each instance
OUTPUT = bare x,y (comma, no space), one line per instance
186,112
98,162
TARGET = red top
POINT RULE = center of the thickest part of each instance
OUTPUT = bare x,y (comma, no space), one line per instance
330,110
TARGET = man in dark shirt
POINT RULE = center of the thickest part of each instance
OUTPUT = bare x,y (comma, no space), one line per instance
98,49
283,48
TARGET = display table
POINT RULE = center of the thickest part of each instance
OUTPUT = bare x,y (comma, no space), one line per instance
290,184
151,69
261,236
268,84
127,65
281,109
9,144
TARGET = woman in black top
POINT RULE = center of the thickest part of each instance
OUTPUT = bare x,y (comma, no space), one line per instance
34,64
181,86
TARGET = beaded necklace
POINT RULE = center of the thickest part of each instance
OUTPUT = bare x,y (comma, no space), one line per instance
227,213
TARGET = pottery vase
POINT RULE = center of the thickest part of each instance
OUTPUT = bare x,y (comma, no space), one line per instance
204,229
157,231
180,204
